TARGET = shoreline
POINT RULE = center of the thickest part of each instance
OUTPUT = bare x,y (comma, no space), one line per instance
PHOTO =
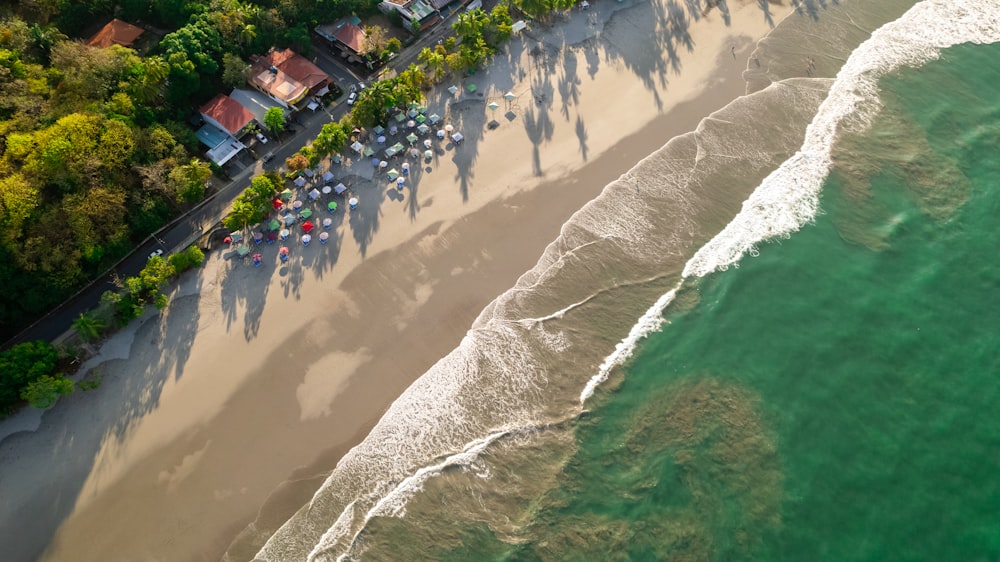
189,446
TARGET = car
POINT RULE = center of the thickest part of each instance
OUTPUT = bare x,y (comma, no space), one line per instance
261,138
156,253
354,87
352,98
362,86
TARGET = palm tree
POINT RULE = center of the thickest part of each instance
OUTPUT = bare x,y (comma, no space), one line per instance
247,34
88,327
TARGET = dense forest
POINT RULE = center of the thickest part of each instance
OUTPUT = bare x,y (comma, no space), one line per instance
95,152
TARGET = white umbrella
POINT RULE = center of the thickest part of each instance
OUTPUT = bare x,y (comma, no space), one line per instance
428,154
428,143
493,106
440,134
357,146
327,222
323,237
449,128
314,194
383,164
353,202
306,239
509,96
327,189
411,123
297,205
453,89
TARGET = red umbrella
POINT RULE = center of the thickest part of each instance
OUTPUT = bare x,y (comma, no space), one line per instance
283,250
227,240
272,236
307,226
277,204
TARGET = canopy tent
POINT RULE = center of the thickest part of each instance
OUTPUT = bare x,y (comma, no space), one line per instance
243,250
277,204
378,129
357,147
314,194
421,118
369,151
422,128
289,220
309,172
307,227
328,176
412,112
390,152
411,138
398,147
457,137
339,188
306,213
400,117
393,174
471,88
275,224
299,181
453,89
323,237
286,194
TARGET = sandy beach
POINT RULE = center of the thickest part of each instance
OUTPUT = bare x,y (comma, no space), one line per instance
246,390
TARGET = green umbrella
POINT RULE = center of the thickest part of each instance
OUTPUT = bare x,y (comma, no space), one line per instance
412,138
471,87
274,224
421,118
422,109
332,205
286,194
400,117
243,250
305,213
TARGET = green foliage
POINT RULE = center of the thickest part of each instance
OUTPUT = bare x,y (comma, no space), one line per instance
188,180
88,327
234,71
251,205
274,120
44,391
92,382
22,365
330,140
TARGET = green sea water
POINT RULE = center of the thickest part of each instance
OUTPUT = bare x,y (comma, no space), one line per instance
836,397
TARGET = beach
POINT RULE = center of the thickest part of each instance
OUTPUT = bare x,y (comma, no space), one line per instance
219,417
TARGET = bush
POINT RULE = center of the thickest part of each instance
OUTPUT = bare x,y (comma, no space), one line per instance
22,365
44,392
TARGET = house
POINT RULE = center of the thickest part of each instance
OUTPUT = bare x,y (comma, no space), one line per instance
116,32
286,77
344,33
423,11
225,122
256,102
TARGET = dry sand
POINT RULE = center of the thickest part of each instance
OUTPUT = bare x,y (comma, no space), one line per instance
255,377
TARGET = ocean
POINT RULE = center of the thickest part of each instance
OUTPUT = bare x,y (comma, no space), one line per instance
773,339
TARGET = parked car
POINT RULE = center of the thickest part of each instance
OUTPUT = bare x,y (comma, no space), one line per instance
352,98
155,253
261,138
362,86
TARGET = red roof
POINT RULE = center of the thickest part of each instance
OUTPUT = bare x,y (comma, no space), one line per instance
350,35
298,68
228,113
116,32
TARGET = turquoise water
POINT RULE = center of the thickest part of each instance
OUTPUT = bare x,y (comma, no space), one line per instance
834,398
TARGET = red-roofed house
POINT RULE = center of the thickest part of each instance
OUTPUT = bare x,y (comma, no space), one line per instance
116,32
344,32
227,114
287,77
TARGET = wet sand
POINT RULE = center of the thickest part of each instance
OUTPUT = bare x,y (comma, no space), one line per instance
254,377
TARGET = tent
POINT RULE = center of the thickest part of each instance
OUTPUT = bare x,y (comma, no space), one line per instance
471,88
390,152
306,213
422,109
328,176
457,137
299,181
314,194
453,89
339,188
286,194
275,224
398,147
412,112
422,128
357,147
393,174
307,227
400,117
277,204
309,172
434,119
411,138
369,151
420,119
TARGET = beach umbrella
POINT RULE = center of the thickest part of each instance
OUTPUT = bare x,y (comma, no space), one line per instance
369,151
283,253
258,236
411,123
471,88
428,143
412,112
453,89
428,154
383,164
400,117
421,118
493,106
309,172
331,206
449,128
284,233
307,227
393,130
299,181
306,239
422,109
457,137
393,174
323,237
257,257
243,250
227,240
414,153
353,202
422,128
509,96
375,162
399,183
286,194
378,129
328,176
440,134
380,140
397,148
357,147
275,224
277,204
327,189
297,205
271,237
327,223
289,219
306,213
434,118
412,138
314,194
406,168
337,159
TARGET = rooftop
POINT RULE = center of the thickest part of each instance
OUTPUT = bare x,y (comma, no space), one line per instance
297,67
116,32
276,83
227,112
